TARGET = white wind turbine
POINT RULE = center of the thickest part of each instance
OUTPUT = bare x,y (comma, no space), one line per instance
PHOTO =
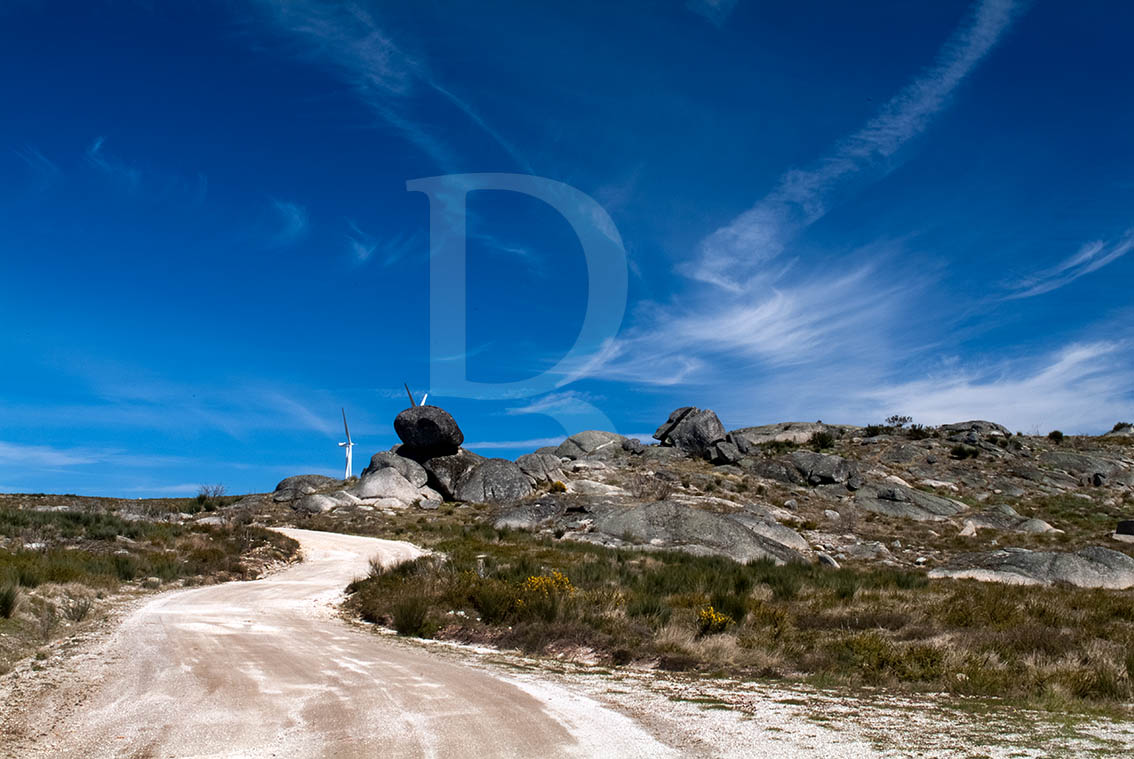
348,445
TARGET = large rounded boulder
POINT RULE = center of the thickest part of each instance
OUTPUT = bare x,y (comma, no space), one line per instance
691,430
296,487
427,431
446,472
408,468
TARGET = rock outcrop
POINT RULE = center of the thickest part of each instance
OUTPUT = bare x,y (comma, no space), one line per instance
590,443
406,467
493,481
659,525
1091,567
293,488
541,468
387,483
445,472
1005,518
899,501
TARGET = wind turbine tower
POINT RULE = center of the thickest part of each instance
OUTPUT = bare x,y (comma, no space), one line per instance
348,445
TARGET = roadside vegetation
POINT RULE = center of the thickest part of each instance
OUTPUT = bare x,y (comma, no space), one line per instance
61,568
1057,647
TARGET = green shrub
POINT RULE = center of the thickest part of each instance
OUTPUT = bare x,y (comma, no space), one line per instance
77,609
410,614
776,447
821,440
651,606
874,430
9,599
918,432
712,622
1055,436
493,600
962,452
1121,426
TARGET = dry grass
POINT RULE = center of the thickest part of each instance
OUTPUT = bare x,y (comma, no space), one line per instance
860,627
56,565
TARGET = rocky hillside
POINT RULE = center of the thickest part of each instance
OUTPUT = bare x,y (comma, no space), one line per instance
969,499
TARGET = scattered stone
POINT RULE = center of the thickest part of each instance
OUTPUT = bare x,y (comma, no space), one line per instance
1004,517
832,514
826,558
590,487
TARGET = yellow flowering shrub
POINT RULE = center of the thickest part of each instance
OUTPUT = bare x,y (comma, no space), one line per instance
710,621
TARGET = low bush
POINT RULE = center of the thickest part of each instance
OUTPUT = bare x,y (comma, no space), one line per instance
9,599
77,609
410,614
883,626
712,622
961,452
821,440
1056,436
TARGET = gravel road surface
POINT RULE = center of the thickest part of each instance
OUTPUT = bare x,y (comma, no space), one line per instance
266,669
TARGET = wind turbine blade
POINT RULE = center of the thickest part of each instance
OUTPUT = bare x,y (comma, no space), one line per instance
412,402
345,427
423,398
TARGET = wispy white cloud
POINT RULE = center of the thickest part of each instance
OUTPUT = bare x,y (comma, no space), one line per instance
731,255
363,246
383,75
38,456
567,402
716,11
1082,387
781,323
761,313
114,168
44,171
1089,258
49,456
517,445
292,223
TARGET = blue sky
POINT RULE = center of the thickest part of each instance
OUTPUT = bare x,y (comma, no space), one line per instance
829,211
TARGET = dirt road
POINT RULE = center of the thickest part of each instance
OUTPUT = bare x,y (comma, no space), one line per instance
265,669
